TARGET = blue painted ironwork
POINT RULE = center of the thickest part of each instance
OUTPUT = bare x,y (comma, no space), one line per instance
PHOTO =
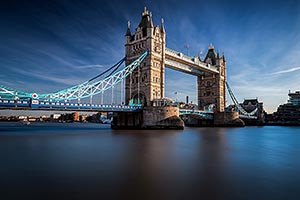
201,113
83,90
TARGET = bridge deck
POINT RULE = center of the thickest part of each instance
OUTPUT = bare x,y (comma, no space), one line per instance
65,106
25,105
201,113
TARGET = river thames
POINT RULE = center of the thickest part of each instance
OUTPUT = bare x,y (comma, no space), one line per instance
92,161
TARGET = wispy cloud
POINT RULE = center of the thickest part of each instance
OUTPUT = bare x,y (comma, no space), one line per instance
66,81
96,66
287,70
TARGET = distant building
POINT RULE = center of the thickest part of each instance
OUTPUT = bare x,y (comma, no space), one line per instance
250,105
290,111
83,118
294,98
76,117
55,116
162,102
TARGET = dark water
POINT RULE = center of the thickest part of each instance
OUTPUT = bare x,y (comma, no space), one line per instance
91,161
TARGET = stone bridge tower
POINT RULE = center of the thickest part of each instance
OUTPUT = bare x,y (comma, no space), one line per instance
147,81
211,87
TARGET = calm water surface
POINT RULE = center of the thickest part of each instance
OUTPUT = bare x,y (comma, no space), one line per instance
91,161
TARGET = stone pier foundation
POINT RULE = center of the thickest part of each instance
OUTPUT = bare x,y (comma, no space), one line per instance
228,119
166,117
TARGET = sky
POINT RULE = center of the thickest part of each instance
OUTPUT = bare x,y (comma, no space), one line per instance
46,46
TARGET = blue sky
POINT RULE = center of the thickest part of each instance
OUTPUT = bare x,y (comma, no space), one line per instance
46,46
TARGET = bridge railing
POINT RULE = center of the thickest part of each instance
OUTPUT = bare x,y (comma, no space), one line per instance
201,113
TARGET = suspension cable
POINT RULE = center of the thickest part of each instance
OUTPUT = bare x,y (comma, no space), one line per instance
112,94
121,89
236,103
117,64
120,63
138,85
130,79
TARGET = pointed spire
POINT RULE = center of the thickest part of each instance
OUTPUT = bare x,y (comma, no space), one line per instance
146,21
150,20
211,55
162,25
218,55
223,57
128,33
146,12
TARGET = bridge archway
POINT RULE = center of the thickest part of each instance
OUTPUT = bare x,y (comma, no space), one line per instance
210,107
139,99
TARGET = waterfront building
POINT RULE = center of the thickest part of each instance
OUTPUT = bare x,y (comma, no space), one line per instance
290,112
250,105
294,98
55,116
75,117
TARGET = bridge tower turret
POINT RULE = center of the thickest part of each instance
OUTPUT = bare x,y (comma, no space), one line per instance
211,87
147,81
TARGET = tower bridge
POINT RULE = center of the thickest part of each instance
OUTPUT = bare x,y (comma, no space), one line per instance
146,57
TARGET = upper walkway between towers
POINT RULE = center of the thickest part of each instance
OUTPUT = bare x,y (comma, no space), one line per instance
191,65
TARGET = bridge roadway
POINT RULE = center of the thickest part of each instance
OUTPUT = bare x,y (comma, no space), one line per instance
180,62
41,105
65,106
